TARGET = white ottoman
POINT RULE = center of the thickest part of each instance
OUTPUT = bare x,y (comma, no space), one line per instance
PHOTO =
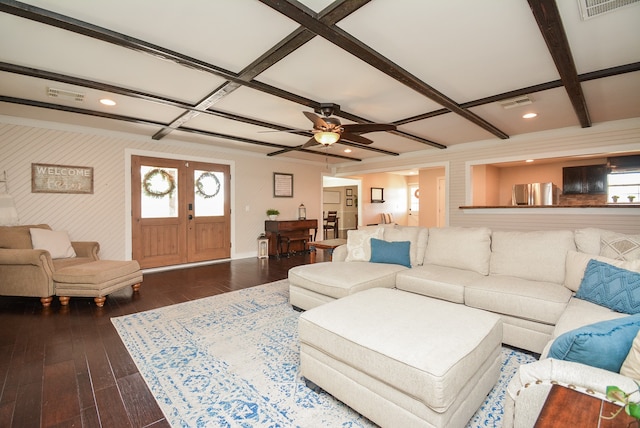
315,284
402,359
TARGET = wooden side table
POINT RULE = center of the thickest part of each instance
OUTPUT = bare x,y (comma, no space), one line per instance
329,244
568,408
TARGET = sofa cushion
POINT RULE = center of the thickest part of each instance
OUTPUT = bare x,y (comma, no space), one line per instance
533,300
631,364
576,264
460,247
611,286
537,256
605,344
391,252
18,237
619,246
57,243
588,240
417,236
359,243
441,282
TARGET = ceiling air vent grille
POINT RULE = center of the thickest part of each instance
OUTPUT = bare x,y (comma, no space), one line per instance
592,8
61,93
516,102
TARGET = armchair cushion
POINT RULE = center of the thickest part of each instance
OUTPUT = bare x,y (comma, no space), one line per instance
56,242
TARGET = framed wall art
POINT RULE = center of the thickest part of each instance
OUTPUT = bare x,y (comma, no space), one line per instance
48,178
282,185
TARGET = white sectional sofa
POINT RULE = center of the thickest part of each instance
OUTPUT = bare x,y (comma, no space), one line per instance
528,279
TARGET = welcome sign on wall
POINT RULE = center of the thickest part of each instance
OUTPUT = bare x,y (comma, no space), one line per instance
46,178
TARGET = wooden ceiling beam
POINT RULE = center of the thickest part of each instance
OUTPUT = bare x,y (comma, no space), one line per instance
348,43
550,23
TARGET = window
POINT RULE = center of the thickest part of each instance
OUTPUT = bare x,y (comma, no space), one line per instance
624,185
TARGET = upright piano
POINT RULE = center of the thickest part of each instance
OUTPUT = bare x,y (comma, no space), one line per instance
289,235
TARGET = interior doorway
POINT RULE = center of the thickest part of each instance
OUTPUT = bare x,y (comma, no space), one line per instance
342,195
180,211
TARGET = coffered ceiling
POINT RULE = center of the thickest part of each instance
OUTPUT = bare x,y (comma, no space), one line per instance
228,73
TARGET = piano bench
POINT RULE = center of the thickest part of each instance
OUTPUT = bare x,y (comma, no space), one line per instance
289,239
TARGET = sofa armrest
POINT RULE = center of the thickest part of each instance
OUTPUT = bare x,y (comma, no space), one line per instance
26,272
86,249
339,253
528,389
26,257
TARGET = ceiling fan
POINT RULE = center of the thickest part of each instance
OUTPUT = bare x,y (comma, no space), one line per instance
328,130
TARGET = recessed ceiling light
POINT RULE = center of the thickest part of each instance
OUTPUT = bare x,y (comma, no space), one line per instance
107,102
529,115
529,160
348,150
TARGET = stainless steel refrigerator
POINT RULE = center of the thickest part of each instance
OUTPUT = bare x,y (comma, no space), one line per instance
535,194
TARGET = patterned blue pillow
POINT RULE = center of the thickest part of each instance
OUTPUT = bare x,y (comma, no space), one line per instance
604,344
610,286
397,253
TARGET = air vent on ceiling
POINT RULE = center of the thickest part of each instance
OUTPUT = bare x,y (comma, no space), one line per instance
516,102
592,8
61,93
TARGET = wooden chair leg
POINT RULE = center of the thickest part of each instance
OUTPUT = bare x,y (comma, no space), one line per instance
64,300
136,287
46,301
99,301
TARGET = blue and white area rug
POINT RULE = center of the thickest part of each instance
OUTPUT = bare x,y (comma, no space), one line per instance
232,360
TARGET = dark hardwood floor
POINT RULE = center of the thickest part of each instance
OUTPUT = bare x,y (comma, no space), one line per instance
66,367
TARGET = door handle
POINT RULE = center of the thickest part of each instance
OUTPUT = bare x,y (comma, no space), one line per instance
190,217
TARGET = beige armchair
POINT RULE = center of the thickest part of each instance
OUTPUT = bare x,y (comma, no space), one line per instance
28,272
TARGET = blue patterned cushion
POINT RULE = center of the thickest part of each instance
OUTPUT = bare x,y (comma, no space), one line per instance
604,344
610,286
397,253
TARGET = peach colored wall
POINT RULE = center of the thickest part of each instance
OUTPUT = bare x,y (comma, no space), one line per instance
486,178
497,190
395,198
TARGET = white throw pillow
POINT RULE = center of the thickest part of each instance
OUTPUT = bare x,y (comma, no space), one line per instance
619,246
577,262
359,243
399,234
631,365
57,243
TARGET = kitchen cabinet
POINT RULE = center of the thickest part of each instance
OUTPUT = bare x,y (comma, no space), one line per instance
589,179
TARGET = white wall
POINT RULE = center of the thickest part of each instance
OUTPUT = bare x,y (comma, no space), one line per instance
102,216
611,137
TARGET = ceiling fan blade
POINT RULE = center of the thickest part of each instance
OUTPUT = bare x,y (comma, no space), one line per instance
312,142
318,122
355,138
284,130
368,127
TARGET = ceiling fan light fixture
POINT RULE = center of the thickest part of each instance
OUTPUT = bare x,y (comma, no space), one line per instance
326,138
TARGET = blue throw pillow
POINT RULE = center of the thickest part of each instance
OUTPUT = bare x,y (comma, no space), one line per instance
396,253
604,344
610,286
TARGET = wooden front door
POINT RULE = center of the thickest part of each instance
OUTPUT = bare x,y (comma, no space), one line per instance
181,211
